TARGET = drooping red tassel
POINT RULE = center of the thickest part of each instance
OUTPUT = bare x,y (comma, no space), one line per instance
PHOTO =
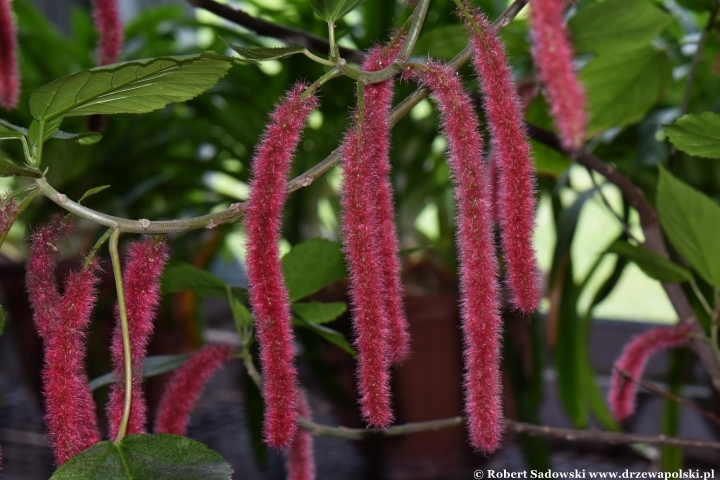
141,284
478,271
378,102
632,361
553,58
512,153
268,294
299,460
9,76
109,27
184,388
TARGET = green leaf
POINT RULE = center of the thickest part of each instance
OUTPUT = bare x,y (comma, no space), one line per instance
50,129
312,265
157,457
692,223
697,134
92,191
261,54
179,276
318,312
332,336
84,138
8,169
617,25
152,366
442,42
331,10
243,319
654,265
622,87
131,87
697,5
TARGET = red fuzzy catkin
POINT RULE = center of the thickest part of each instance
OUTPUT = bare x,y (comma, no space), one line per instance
184,388
141,284
632,361
268,294
109,27
553,58
512,153
8,212
378,102
70,411
478,271
9,77
299,460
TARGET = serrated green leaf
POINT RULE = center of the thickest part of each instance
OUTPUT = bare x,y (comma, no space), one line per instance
691,222
152,366
622,87
157,457
617,25
331,10
312,265
180,276
332,336
654,265
131,87
92,191
8,169
442,42
697,134
319,312
261,54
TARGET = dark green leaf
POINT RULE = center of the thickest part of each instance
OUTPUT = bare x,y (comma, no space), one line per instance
50,129
181,276
697,134
318,312
131,87
260,54
654,266
331,10
152,366
156,457
692,223
622,87
442,42
332,336
92,191
8,169
697,5
312,265
617,25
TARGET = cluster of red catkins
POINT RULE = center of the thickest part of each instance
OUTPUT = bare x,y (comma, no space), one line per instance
370,242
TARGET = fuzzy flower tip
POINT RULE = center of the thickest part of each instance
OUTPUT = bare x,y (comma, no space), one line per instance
268,294
632,361
9,77
185,386
512,154
141,282
299,460
553,57
8,213
478,271
378,102
109,27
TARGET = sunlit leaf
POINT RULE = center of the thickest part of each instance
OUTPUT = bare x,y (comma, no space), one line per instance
331,10
179,276
260,54
697,134
654,265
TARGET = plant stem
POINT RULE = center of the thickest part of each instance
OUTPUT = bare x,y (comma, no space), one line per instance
96,247
317,59
117,270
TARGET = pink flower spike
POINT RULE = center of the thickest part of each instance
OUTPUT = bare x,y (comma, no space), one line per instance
70,410
378,102
632,361
299,460
553,57
184,388
512,153
8,212
478,271
9,76
268,294
109,27
141,282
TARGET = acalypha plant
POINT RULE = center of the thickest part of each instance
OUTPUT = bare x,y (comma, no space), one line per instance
489,194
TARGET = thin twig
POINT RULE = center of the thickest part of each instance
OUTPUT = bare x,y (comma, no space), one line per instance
623,224
670,396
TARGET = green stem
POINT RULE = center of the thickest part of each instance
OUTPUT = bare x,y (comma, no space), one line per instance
96,247
117,270
701,298
334,53
39,148
321,81
317,59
